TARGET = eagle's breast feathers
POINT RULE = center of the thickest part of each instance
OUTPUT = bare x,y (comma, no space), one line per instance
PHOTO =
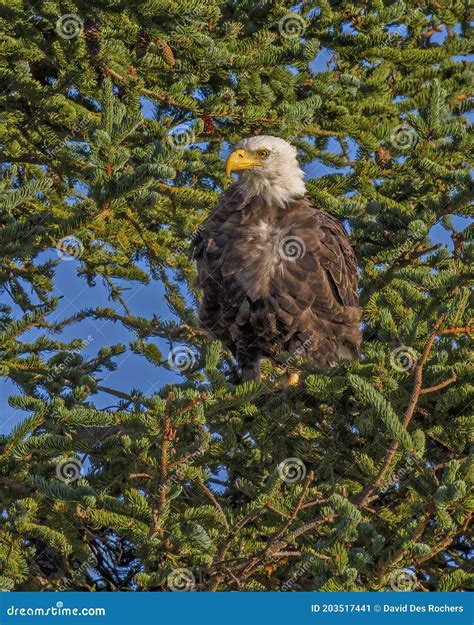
275,278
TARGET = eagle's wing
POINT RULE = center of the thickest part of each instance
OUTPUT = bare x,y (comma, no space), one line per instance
213,237
325,278
274,279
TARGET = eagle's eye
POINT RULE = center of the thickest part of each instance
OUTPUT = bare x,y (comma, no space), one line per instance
263,153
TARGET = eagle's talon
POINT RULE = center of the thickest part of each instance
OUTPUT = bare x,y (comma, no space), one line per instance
293,378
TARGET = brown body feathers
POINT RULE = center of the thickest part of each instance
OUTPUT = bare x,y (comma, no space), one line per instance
275,279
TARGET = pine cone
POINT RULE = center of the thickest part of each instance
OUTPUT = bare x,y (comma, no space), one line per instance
208,123
382,156
167,52
91,35
143,43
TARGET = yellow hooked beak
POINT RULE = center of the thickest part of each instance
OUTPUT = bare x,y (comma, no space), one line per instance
241,159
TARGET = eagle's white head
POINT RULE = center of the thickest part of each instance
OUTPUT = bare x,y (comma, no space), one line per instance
268,166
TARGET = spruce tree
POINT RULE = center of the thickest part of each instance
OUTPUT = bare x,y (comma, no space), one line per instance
360,477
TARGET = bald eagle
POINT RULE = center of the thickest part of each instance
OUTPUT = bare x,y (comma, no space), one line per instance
277,274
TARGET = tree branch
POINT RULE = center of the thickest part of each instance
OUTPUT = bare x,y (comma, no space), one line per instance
439,386
416,391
